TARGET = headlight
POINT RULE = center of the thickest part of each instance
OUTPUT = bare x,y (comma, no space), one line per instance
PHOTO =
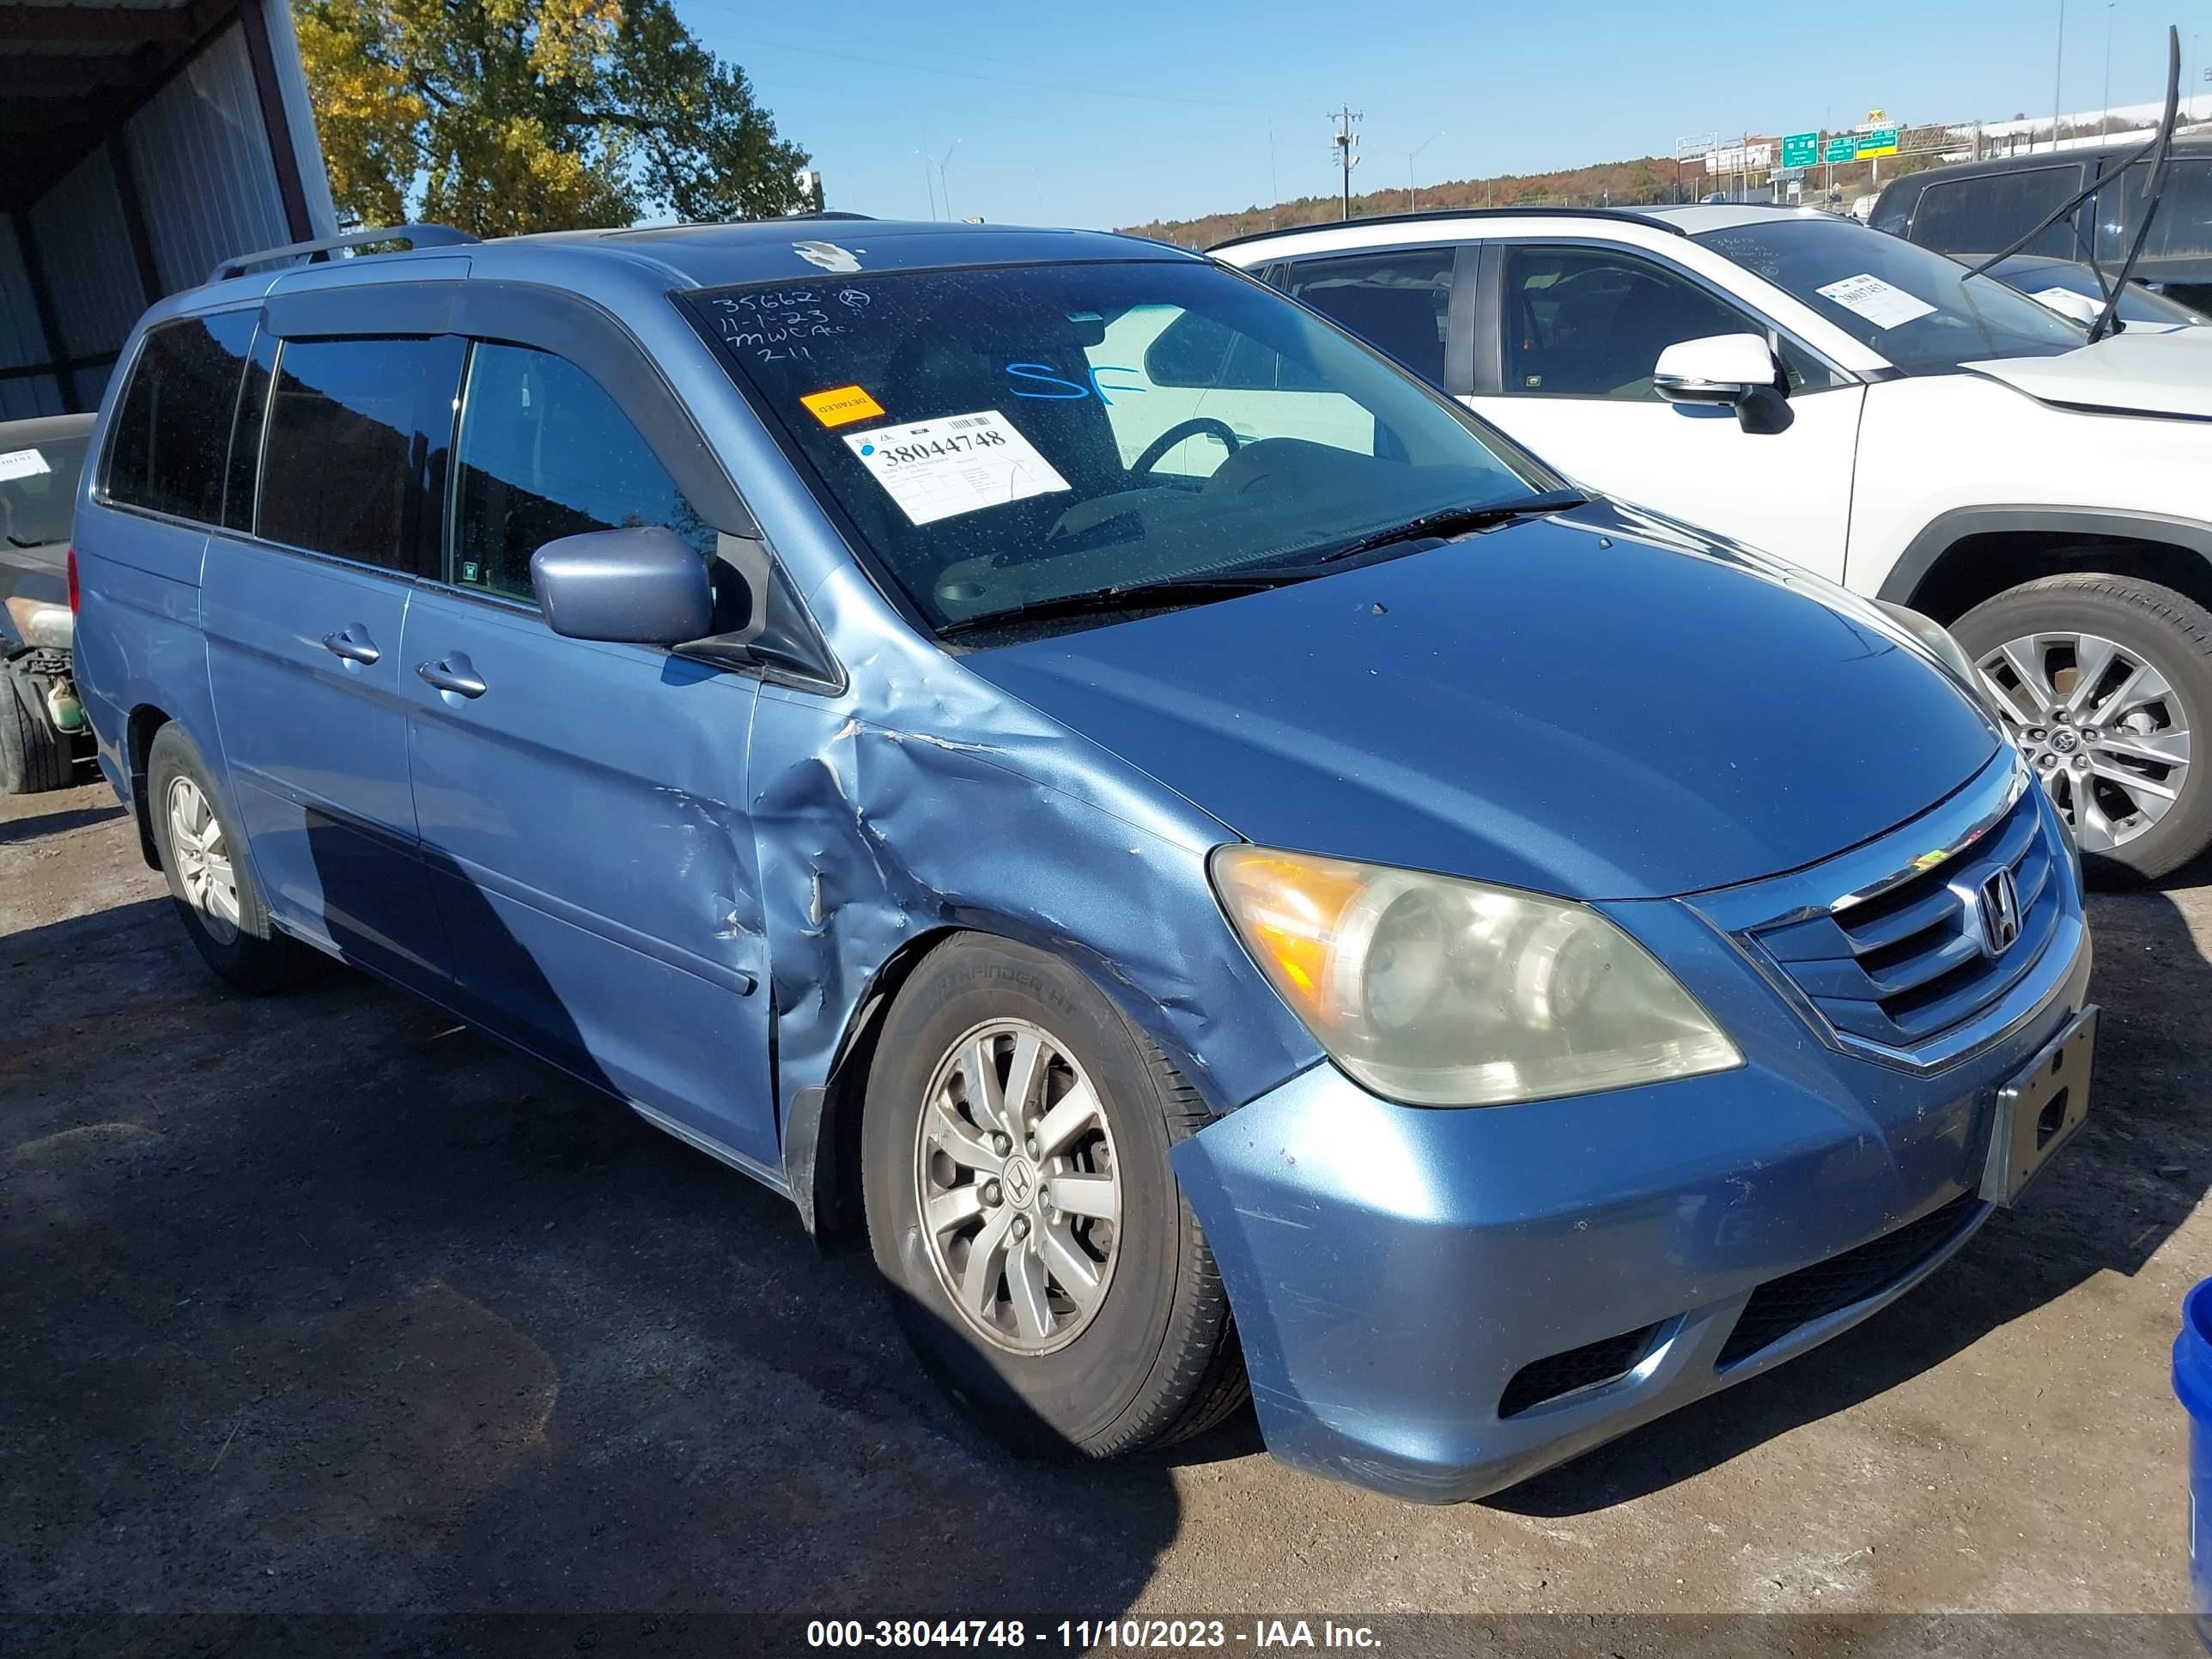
1439,992
1937,638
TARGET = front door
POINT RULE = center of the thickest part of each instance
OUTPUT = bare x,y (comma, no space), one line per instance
304,621
1578,330
582,804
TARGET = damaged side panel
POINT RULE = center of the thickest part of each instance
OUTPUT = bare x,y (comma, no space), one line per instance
925,798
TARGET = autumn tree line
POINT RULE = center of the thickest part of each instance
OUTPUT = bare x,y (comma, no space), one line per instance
503,117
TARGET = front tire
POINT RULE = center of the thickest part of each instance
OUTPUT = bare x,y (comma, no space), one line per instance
1042,1260
203,858
2102,680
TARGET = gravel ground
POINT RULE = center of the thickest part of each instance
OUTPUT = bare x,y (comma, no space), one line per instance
319,1307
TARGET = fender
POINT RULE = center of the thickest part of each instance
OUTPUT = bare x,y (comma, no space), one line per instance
2090,524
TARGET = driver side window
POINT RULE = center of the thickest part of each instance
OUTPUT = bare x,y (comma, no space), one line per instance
544,453
1591,323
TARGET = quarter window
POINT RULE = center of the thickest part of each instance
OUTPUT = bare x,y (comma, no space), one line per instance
544,453
354,426
172,431
1587,323
1397,301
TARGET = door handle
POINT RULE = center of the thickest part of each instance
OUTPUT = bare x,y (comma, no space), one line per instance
352,644
453,672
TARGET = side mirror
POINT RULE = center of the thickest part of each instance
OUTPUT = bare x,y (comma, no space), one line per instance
1735,370
632,586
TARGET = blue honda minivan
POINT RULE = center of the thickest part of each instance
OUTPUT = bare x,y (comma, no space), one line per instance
1050,755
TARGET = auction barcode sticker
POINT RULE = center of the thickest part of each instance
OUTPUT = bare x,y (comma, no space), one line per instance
956,464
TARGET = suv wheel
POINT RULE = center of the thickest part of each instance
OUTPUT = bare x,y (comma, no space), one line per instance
1042,1261
203,858
2101,680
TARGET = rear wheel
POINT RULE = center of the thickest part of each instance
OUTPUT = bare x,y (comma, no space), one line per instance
203,859
1042,1261
2102,680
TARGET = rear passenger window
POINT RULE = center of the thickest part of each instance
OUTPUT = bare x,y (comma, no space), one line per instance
353,427
544,453
172,429
1397,302
1985,214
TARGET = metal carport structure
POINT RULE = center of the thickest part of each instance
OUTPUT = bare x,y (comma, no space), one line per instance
141,141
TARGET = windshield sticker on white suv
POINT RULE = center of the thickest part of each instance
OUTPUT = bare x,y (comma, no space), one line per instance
21,463
1881,303
938,469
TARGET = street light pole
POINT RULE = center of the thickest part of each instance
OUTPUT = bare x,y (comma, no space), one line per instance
1410,205
2105,115
2058,77
925,183
943,188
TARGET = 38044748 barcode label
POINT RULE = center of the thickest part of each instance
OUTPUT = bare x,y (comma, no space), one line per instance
953,464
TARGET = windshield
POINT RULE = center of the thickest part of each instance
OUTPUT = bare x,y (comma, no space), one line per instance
2138,304
38,489
1916,308
1002,437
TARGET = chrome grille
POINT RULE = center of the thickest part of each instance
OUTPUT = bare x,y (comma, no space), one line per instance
1926,954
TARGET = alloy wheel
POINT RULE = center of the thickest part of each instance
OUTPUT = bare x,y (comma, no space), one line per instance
1019,1188
203,868
2101,725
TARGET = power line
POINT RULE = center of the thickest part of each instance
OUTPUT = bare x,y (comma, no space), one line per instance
759,42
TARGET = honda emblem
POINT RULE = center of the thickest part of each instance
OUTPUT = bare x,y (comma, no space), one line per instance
2000,908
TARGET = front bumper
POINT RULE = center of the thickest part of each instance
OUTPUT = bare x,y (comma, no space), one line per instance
1393,1269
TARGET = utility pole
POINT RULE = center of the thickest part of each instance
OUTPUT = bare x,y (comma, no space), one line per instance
1347,149
2058,77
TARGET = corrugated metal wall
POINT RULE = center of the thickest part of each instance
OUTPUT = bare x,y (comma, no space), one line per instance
204,173
21,342
86,251
207,190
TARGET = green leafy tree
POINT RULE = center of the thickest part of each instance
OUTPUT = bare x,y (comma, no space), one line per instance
504,116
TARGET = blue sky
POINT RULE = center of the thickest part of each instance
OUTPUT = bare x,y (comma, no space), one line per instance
1111,114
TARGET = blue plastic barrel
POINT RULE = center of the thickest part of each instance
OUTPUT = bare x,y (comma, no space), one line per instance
2193,1383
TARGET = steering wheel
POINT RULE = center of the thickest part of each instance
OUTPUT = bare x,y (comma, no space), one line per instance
1196,426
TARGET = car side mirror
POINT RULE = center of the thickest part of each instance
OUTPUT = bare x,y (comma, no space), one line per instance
1737,371
629,587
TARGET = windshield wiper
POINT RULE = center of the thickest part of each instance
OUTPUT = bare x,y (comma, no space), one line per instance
1134,595
2157,152
1457,520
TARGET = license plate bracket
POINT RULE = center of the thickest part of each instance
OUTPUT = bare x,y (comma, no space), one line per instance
2038,1111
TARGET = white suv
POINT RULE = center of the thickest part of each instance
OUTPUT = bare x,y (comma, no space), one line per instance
1860,405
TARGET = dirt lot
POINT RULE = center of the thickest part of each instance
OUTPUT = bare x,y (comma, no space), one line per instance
321,1306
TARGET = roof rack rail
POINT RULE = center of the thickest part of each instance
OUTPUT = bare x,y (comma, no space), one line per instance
324,246
1642,215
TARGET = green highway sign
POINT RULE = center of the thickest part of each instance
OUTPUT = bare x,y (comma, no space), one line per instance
1881,141
1801,149
1845,149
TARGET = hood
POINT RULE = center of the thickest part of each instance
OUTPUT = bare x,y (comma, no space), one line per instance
1564,704
2141,372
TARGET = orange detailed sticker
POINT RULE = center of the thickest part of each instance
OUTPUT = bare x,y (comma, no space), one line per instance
840,405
